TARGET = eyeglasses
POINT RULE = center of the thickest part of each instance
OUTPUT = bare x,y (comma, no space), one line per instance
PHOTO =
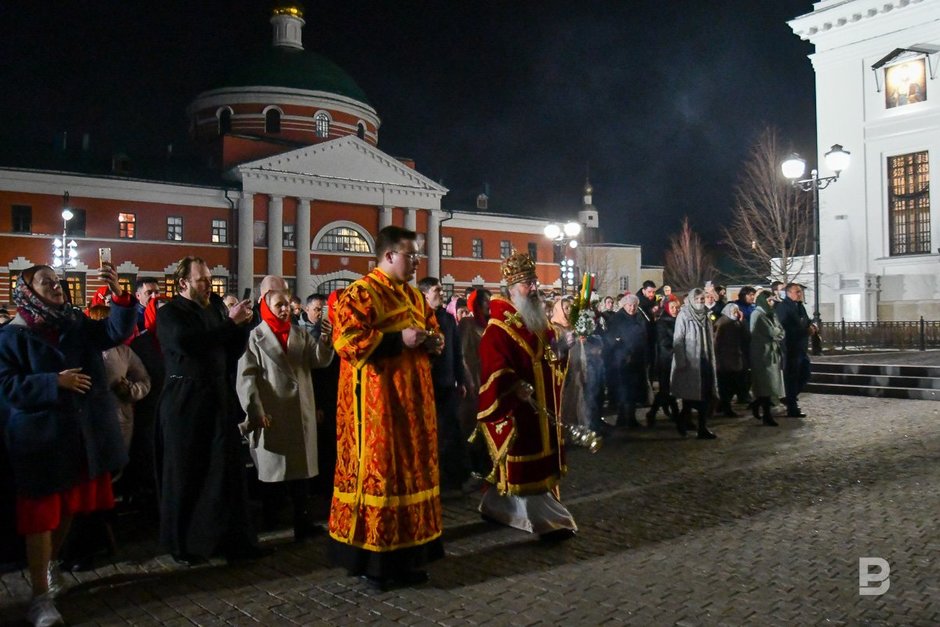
415,257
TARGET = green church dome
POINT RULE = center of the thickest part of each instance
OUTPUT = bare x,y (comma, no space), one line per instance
296,69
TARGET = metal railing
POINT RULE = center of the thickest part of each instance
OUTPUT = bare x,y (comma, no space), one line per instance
906,335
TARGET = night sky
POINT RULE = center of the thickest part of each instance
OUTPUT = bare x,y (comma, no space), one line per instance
660,99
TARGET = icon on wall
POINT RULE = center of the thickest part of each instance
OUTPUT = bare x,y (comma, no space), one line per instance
905,83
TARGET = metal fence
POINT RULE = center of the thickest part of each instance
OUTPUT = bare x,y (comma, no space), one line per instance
908,335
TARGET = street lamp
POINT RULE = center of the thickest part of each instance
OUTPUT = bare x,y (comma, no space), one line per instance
793,168
564,235
65,254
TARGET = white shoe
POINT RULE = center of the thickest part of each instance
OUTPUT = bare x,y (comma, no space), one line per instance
54,578
42,612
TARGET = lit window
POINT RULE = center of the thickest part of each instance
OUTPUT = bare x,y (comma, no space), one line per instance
127,225
447,246
505,248
13,278
127,281
169,286
174,228
272,121
344,239
220,231
76,285
909,203
288,239
477,249
323,124
219,285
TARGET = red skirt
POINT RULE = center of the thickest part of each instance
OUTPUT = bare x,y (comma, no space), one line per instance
38,515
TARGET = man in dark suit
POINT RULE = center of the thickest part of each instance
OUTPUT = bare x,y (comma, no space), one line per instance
796,365
447,372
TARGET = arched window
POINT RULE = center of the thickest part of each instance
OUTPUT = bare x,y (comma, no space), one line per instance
272,121
327,287
225,121
361,130
323,124
344,239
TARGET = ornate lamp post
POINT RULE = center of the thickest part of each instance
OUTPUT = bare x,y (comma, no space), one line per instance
564,236
65,254
837,159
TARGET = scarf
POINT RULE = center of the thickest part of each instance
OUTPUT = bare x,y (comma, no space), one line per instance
45,317
281,328
475,304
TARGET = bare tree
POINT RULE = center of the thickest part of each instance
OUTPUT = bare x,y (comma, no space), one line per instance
771,224
687,263
599,261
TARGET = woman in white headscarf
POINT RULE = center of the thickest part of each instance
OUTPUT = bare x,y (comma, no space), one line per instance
693,364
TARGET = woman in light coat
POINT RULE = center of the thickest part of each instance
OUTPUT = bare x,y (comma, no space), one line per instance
693,364
275,389
766,358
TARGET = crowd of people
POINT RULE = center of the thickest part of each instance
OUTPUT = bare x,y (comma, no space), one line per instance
378,397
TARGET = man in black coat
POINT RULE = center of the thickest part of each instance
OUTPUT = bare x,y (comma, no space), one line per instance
447,372
203,505
796,365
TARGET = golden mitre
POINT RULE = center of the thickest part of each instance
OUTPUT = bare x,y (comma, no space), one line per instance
518,267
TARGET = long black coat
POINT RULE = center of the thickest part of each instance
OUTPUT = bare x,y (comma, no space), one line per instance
202,489
628,352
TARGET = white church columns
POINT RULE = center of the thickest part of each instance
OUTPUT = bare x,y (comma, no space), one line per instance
246,247
276,236
304,284
433,245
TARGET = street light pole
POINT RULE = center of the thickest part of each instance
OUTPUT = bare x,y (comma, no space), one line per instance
793,168
564,236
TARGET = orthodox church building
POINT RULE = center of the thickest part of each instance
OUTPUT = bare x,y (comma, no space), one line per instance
876,65
292,182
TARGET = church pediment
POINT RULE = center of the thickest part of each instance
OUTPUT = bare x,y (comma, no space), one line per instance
347,161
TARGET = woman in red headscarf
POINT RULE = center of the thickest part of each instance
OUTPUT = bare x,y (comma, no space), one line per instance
275,387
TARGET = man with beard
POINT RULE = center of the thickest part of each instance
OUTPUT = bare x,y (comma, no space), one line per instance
385,517
517,410
203,508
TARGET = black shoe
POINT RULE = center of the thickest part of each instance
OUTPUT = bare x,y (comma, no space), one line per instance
769,421
188,559
754,406
705,434
247,554
559,535
651,417
795,413
730,413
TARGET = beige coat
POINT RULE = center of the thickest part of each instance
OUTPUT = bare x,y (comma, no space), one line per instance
278,384
121,362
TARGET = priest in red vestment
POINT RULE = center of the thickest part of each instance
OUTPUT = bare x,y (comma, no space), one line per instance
385,515
521,383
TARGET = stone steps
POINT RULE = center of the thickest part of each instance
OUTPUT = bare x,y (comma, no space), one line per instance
886,381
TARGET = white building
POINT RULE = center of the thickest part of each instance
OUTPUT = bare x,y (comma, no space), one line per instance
877,95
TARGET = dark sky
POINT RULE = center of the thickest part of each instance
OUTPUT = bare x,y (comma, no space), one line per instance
662,99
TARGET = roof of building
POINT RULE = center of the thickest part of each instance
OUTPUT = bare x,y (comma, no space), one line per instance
295,69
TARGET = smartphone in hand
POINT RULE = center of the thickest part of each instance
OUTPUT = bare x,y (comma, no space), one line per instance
104,257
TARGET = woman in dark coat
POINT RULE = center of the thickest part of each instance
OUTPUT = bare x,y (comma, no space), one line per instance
665,328
628,354
730,347
60,428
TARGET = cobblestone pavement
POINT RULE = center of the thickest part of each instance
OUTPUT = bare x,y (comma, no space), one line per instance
762,526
